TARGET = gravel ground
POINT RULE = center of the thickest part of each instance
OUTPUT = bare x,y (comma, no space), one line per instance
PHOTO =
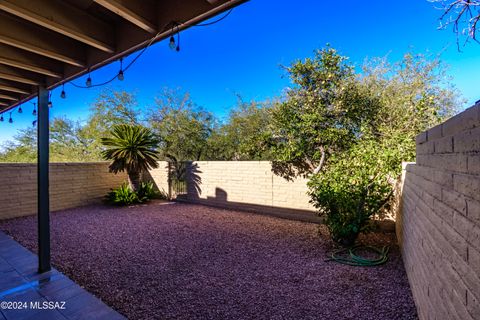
182,261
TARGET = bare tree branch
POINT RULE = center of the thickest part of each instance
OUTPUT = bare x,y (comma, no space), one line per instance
463,15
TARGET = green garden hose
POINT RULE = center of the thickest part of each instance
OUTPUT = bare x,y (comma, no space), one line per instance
349,257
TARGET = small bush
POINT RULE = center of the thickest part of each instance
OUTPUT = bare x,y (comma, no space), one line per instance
146,191
355,186
123,195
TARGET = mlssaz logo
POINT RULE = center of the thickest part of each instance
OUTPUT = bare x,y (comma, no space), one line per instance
47,305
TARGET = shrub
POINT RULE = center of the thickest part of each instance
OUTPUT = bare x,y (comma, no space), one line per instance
353,187
123,195
146,191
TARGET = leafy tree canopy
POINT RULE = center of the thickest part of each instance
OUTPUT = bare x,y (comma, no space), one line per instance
242,136
348,133
182,126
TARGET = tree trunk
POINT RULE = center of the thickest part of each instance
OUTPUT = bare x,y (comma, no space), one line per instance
134,180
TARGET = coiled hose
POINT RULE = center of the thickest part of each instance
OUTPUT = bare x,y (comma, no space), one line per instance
350,257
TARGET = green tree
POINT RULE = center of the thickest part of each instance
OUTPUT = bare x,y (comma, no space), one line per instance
110,108
183,127
415,94
322,114
23,148
242,136
72,141
132,148
350,132
67,143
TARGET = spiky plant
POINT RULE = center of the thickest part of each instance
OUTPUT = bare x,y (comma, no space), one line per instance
132,148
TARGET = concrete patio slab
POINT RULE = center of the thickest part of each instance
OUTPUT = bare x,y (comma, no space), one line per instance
25,294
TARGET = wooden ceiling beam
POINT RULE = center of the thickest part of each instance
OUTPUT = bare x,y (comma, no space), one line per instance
7,97
29,67
128,14
13,89
22,76
64,19
16,33
25,60
12,77
40,51
45,18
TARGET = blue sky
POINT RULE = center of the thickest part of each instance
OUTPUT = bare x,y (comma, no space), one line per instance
243,53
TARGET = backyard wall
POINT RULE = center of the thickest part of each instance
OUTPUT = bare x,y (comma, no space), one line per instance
159,176
439,225
71,185
246,185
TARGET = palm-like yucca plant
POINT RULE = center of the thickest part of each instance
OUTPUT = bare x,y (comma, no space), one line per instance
132,148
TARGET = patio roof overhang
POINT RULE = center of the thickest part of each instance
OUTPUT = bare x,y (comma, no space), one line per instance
46,43
51,42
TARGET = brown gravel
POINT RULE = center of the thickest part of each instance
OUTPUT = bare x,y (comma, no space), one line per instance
181,261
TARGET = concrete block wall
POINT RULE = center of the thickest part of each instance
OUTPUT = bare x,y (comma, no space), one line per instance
159,176
71,185
439,226
248,185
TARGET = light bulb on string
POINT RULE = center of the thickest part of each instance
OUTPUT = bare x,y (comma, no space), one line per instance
63,95
34,112
10,120
120,73
88,83
172,44
20,110
1,118
50,104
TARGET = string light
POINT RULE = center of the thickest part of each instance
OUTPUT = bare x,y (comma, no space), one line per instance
50,104
174,45
63,95
88,83
34,112
120,73
178,41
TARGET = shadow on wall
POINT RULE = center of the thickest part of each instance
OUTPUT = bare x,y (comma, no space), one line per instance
220,195
183,182
193,180
194,191
165,190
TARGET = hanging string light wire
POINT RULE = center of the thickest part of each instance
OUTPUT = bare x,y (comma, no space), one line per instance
172,24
